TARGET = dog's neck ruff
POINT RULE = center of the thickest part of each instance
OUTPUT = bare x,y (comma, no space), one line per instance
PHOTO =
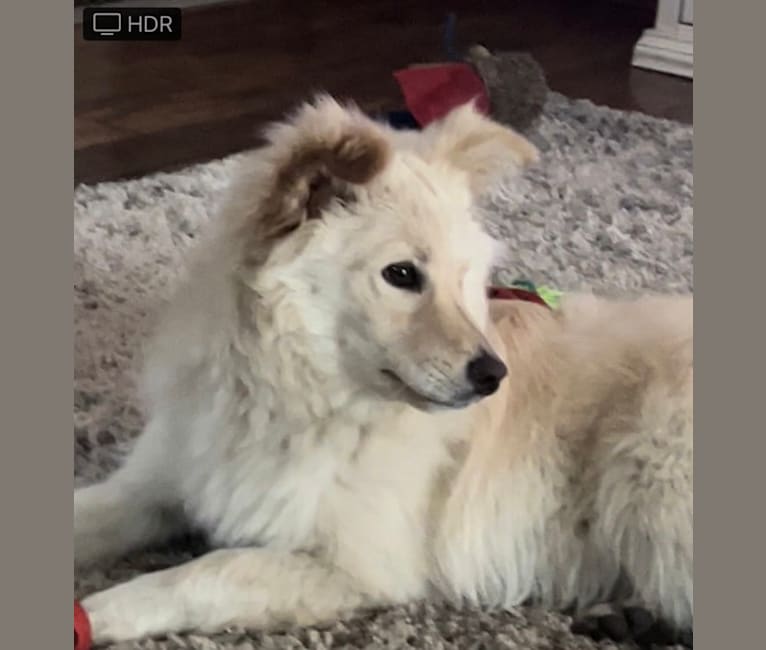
524,290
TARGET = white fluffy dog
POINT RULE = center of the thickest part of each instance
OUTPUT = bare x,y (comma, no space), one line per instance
328,401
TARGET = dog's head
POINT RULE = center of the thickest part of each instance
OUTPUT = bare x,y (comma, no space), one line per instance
369,236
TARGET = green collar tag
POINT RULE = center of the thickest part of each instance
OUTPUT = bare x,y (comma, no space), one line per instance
552,297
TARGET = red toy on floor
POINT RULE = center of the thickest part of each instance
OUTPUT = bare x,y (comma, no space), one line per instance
432,91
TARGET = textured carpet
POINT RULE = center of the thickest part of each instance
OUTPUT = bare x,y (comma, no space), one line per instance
609,208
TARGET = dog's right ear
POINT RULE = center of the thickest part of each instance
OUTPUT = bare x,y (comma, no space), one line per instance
311,159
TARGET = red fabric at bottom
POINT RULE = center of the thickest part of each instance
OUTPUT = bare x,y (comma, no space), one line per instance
82,639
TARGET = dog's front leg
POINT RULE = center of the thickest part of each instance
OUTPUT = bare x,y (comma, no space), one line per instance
253,588
134,508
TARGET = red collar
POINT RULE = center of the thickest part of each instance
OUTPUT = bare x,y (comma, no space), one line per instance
508,293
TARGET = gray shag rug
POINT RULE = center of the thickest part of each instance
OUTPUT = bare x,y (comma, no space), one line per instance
609,208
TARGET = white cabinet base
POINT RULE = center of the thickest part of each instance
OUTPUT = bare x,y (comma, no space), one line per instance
665,52
669,46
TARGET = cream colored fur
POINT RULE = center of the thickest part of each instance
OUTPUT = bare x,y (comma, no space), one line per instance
272,428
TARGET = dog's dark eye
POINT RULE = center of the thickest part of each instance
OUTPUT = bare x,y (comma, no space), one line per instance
403,275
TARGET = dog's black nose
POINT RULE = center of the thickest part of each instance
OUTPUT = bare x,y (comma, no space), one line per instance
485,372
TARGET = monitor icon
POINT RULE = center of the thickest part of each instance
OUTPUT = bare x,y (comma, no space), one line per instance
107,23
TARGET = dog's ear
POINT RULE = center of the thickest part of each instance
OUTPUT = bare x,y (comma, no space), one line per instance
478,146
311,159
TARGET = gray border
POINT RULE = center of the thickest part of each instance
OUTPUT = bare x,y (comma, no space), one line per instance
728,169
36,343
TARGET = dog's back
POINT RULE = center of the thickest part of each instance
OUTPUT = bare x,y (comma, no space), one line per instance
583,474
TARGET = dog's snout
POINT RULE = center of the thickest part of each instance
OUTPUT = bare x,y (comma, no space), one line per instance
485,372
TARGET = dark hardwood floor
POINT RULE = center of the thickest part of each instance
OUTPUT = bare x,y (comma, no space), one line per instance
142,106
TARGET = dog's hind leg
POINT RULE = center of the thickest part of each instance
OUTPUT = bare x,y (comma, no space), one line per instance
645,519
249,587
133,508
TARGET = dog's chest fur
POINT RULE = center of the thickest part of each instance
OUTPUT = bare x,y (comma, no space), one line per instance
357,477
251,491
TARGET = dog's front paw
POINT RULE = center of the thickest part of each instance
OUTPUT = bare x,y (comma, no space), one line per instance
110,621
125,613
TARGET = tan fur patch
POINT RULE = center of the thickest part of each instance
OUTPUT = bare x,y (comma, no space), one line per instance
479,146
